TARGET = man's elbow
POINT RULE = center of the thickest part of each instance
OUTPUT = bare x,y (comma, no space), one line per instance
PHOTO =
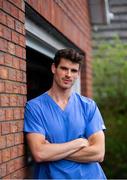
39,157
100,157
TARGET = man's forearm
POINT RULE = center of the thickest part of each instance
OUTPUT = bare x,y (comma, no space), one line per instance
53,152
94,152
87,154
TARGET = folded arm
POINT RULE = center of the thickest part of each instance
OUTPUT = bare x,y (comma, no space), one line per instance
94,152
44,151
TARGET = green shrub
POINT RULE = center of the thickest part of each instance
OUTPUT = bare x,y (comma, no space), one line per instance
110,75
110,93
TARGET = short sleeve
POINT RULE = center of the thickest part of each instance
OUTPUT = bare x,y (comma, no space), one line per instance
95,122
33,119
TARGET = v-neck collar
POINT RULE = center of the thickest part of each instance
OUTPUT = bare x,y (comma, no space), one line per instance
54,102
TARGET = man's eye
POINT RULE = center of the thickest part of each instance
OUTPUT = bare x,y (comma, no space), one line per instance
63,68
74,70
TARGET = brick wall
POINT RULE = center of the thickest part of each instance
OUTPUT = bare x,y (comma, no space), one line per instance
12,88
72,19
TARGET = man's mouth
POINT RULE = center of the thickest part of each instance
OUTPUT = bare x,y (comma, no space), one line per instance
67,80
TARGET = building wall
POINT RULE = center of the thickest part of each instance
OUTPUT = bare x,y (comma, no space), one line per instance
71,18
12,88
117,26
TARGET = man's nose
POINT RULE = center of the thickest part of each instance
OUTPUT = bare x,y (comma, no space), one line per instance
68,73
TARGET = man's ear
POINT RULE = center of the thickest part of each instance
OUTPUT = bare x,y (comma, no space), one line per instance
53,68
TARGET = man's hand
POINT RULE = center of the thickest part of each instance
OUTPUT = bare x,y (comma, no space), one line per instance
82,142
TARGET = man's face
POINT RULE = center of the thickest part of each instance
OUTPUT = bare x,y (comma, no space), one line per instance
65,74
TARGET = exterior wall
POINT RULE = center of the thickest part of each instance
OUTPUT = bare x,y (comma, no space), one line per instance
117,26
71,18
12,88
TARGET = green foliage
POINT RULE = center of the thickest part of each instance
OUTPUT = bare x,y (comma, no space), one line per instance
114,164
110,93
110,75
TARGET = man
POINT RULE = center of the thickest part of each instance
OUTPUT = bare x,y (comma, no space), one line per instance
64,130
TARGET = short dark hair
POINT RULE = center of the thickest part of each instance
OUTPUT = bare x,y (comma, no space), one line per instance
69,54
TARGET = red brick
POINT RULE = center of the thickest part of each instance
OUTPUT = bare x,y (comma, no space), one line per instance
5,128
20,125
1,30
0,157
23,89
7,177
13,100
3,72
2,142
23,30
2,114
16,62
18,138
3,170
17,114
2,87
16,88
22,173
8,60
10,166
24,53
14,11
18,3
22,113
20,100
6,155
6,6
1,4
23,6
3,45
19,76
8,87
14,175
19,51
0,128
6,33
19,163
18,26
20,149
10,140
3,17
24,100
1,58
4,100
21,16
11,48
23,76
14,152
10,22
23,65
15,37
12,74
14,128
22,41
9,114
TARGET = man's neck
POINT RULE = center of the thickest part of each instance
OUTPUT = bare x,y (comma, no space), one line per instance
60,94
61,97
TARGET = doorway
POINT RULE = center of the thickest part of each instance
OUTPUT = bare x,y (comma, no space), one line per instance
39,75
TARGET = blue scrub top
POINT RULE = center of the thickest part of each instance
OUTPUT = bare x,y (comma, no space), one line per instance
80,118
